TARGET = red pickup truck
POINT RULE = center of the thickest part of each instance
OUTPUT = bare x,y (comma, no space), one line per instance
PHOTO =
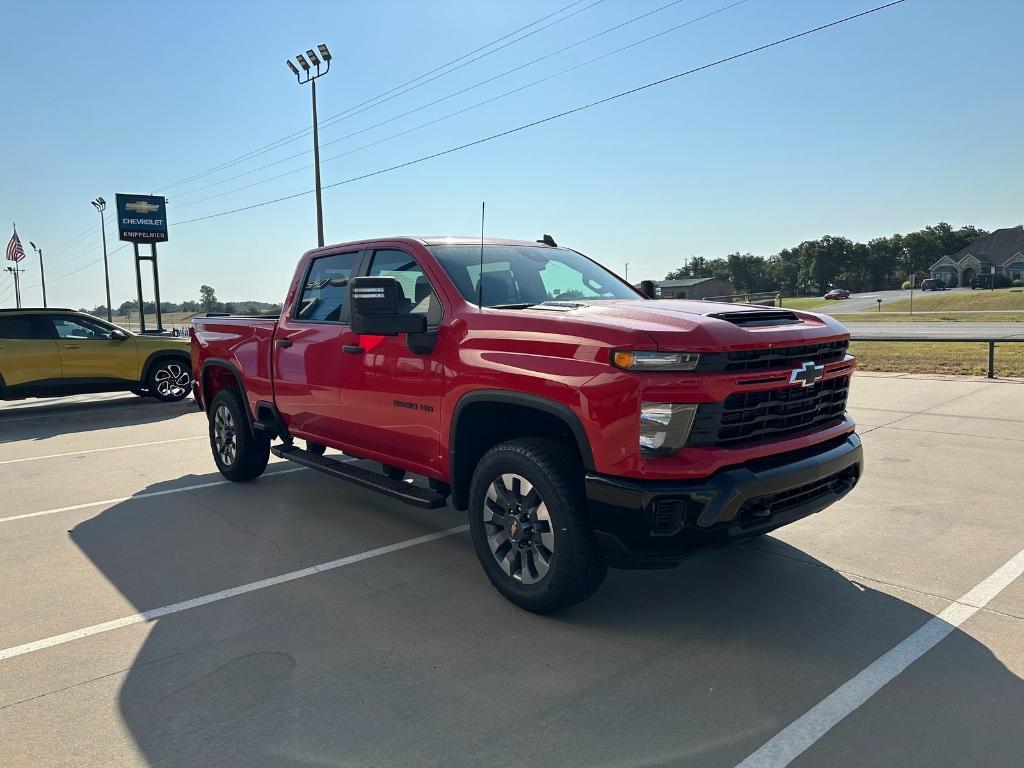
581,424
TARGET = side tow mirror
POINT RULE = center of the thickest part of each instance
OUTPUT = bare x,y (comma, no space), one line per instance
377,308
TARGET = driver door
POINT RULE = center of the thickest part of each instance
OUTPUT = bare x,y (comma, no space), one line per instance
88,353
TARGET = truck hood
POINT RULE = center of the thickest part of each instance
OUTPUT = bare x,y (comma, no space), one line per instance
701,325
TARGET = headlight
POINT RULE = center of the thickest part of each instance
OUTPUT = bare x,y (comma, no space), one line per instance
664,427
654,361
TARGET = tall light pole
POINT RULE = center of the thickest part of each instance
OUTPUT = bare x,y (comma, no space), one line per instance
307,75
42,274
627,271
101,205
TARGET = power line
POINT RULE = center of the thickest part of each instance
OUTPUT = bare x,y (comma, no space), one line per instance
558,115
451,95
450,114
299,134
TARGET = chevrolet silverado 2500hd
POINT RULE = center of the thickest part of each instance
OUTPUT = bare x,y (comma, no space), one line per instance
580,424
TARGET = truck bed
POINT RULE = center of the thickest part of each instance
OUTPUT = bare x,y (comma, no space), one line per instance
244,342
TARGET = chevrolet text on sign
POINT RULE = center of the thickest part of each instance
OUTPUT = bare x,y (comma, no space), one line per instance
142,218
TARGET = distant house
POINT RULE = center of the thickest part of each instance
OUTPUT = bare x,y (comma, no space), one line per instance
692,288
1001,252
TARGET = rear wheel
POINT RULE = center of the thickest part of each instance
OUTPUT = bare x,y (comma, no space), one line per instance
240,452
169,380
529,528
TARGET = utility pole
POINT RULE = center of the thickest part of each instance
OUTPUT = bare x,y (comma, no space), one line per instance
627,271
101,205
308,76
17,286
42,274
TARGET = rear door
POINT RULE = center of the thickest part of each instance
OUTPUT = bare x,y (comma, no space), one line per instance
308,353
88,353
28,351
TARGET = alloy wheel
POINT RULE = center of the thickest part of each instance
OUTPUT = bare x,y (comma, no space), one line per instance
172,380
224,436
518,527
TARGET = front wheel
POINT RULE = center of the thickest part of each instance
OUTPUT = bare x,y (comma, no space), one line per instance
241,453
169,380
529,527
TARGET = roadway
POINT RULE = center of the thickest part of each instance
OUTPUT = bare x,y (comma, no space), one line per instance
965,330
155,615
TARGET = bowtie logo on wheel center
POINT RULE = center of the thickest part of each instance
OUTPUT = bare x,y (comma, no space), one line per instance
807,375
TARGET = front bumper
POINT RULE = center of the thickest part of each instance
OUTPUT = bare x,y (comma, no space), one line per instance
656,523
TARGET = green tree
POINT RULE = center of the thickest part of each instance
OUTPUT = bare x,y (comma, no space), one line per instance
207,298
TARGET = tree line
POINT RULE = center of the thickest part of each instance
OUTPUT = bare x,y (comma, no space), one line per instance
833,261
207,302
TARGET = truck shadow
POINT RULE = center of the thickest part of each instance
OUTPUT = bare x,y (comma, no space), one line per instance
405,659
54,418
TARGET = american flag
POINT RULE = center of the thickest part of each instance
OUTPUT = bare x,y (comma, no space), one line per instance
14,250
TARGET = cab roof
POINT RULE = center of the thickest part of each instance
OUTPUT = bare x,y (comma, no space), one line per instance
431,240
12,310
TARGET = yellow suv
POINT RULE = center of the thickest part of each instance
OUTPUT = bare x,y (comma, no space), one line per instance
48,352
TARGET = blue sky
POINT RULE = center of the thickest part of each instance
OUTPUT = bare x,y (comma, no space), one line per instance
888,123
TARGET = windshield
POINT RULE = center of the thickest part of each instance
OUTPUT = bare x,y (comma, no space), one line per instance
516,276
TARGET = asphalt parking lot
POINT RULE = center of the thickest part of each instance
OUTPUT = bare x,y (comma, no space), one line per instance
154,615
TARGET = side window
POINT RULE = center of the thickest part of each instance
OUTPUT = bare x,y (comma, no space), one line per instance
26,327
326,291
79,329
418,295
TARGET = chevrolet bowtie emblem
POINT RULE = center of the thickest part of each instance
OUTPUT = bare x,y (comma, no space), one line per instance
141,206
806,375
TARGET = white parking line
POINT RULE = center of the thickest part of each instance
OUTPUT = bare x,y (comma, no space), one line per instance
793,740
101,450
195,602
148,495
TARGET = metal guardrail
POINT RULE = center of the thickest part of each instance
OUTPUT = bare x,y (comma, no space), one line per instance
950,339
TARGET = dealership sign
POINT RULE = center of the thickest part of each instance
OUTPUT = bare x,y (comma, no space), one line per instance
142,218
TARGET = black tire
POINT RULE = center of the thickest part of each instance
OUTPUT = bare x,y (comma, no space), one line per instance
574,567
241,453
169,379
315,448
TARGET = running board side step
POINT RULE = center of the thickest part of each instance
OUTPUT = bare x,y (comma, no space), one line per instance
396,489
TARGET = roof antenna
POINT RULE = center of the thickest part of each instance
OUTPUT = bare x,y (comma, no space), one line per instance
480,280
548,240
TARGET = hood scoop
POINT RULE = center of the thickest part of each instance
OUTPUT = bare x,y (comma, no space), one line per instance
758,318
560,306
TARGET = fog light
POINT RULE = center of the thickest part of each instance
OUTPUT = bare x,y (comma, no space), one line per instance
664,427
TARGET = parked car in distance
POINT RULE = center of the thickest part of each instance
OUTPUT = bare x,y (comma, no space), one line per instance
986,281
54,352
837,293
934,284
581,424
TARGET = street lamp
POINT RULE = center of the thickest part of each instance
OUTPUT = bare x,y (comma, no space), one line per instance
101,205
307,75
42,274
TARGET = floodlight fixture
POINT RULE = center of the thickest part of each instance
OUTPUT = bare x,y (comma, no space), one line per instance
311,54
324,53
302,62
292,67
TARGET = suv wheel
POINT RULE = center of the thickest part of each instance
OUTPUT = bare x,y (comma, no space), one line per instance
169,380
240,452
528,523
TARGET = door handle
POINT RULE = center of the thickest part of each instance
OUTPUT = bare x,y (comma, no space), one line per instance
353,349
71,346
283,342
